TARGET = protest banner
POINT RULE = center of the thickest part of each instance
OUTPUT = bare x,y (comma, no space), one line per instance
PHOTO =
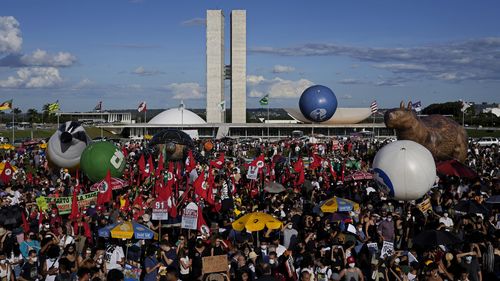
190,217
160,210
215,264
63,204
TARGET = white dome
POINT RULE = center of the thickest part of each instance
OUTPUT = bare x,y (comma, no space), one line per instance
176,117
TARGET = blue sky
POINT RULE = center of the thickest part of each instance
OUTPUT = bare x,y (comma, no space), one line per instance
123,52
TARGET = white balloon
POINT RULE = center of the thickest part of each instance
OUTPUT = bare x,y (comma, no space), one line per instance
405,169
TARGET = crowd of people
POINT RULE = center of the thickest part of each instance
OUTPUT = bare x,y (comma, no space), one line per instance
377,241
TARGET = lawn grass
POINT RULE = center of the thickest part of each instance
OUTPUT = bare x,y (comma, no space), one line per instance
93,132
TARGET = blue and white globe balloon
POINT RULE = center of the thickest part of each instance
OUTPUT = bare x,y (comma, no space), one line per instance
405,169
318,103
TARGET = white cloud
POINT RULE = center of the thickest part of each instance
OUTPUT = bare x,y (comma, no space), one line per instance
351,81
185,90
140,70
194,22
281,88
84,83
255,79
283,69
255,94
401,67
276,87
42,58
10,35
33,77
346,97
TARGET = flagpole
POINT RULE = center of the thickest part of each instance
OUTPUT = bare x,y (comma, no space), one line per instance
268,136
13,127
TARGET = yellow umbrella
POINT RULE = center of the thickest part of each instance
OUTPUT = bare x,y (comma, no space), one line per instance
123,230
337,204
256,221
43,145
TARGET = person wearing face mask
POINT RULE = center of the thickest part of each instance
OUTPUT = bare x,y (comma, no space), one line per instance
31,243
50,267
289,234
351,273
468,261
30,270
386,229
6,272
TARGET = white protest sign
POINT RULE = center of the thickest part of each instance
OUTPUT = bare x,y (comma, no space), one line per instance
190,217
387,249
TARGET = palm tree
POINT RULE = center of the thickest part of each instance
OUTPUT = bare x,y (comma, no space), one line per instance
32,115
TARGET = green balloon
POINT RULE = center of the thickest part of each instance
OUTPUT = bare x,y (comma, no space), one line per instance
99,157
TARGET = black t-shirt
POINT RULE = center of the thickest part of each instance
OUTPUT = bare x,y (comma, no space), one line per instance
30,271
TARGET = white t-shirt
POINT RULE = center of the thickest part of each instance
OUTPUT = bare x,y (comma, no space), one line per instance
447,221
51,264
184,270
114,254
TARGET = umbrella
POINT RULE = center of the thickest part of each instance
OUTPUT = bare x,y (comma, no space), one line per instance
455,168
359,175
471,207
434,238
337,204
256,221
493,199
274,187
127,230
116,183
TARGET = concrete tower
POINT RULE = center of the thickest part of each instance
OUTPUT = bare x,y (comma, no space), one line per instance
215,65
217,71
238,66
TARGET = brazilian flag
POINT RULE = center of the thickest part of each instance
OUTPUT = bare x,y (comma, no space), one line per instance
53,107
264,101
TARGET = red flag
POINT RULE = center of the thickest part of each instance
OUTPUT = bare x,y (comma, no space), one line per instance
105,191
6,173
301,178
77,179
74,205
316,162
190,162
124,151
211,185
219,162
259,162
165,191
298,166
173,209
151,169
202,224
200,186
26,226
142,166
160,168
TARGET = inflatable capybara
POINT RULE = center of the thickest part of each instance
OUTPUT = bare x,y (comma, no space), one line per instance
443,137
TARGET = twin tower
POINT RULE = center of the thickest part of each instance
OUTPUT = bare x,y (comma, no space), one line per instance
218,71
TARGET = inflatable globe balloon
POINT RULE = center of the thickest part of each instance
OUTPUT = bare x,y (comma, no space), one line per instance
318,103
99,157
405,169
66,145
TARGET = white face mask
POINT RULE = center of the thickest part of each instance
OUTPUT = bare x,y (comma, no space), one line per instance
351,265
290,226
271,261
411,276
4,261
35,259
263,247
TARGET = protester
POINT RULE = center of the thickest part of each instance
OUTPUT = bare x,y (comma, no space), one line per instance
378,241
